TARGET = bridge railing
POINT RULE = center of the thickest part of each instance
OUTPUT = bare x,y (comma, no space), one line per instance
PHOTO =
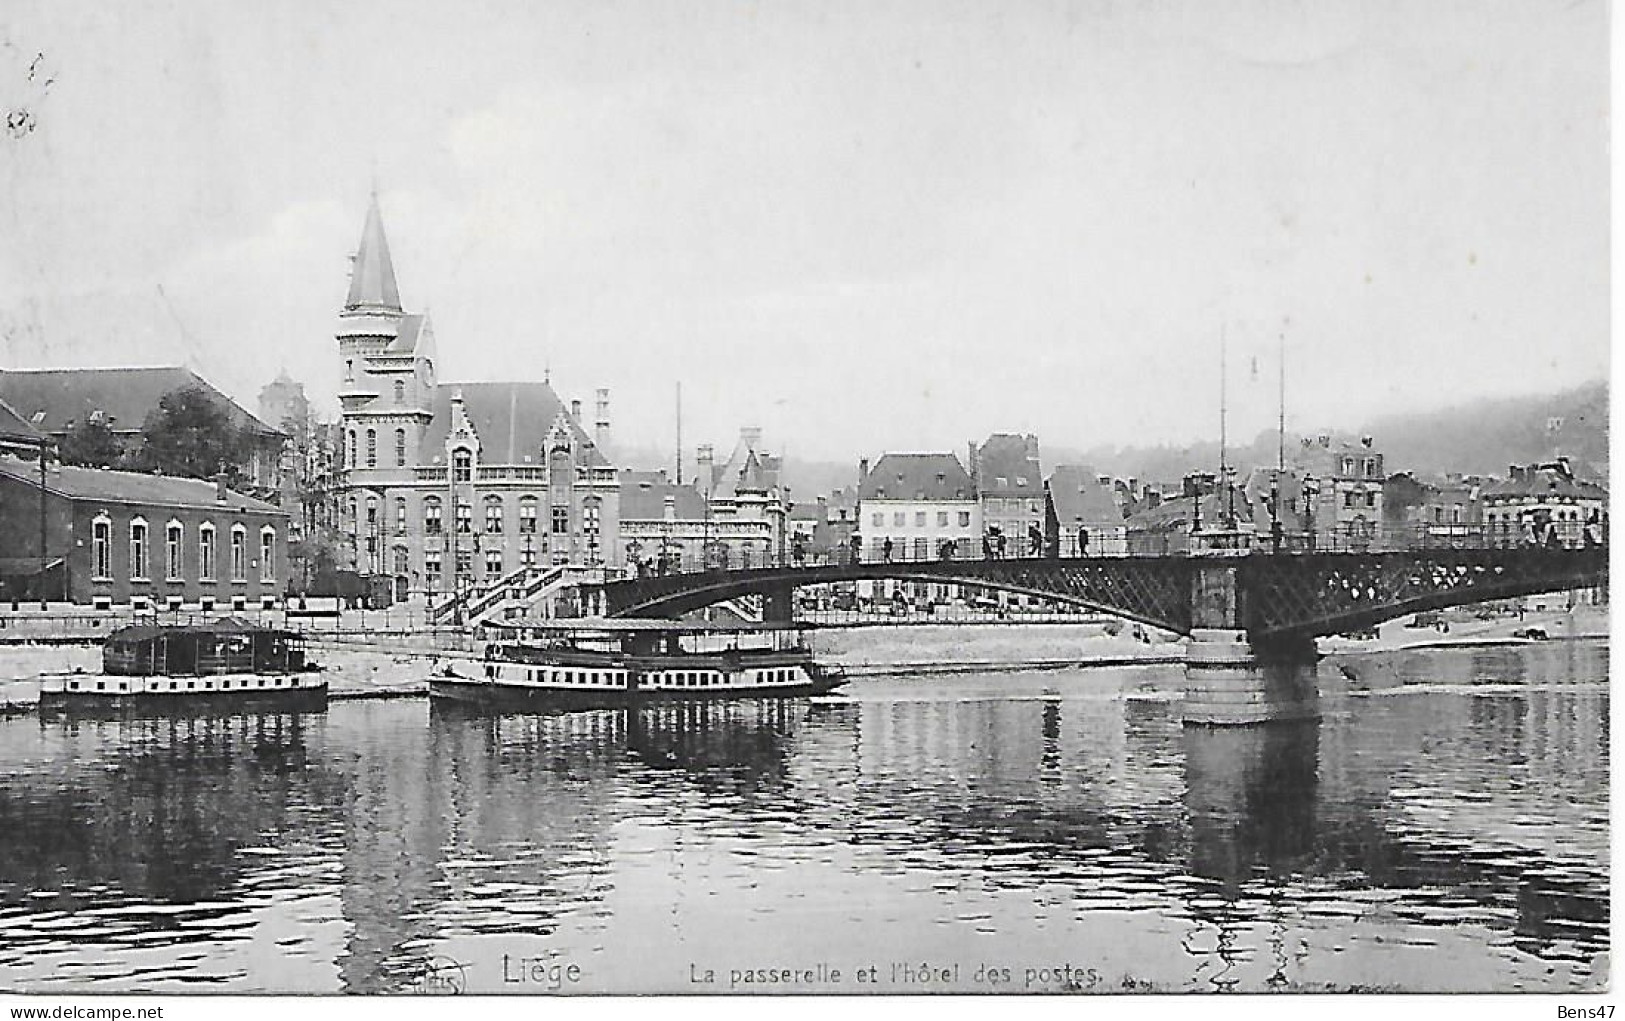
1353,538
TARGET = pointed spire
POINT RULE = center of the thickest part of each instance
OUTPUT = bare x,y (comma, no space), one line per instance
372,274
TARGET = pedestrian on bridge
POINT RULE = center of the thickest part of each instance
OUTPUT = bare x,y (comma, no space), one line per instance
885,549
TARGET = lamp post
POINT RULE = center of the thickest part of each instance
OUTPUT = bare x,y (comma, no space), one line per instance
42,557
1275,513
1311,490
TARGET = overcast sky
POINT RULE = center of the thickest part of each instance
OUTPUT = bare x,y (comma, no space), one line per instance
860,225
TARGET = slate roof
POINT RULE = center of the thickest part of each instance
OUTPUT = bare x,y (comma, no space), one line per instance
1178,511
511,419
917,477
1011,458
13,426
1079,496
1544,481
127,395
372,274
135,488
643,497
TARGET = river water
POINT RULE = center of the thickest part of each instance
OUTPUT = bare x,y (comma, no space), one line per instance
999,832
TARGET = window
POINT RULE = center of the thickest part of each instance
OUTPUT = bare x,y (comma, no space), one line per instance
493,562
172,550
462,466
400,448
101,541
465,517
138,549
527,515
465,562
205,551
352,462
267,554
431,562
561,520
400,392
1000,482
372,448
400,515
898,519
349,370
239,553
403,561
372,511
493,514
527,556
942,519
964,519
919,519
590,517
919,547
431,516
879,519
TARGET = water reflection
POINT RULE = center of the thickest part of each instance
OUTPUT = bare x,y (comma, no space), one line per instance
1450,832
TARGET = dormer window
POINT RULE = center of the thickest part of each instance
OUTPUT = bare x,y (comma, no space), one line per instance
1000,482
400,392
462,465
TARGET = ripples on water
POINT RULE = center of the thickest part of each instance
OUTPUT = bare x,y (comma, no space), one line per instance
1447,830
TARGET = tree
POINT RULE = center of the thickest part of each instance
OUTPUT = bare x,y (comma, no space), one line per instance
91,444
190,435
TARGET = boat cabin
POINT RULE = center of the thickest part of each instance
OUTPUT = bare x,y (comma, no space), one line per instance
647,637
225,646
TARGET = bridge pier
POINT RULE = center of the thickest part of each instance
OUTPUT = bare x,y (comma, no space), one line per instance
1230,680
778,605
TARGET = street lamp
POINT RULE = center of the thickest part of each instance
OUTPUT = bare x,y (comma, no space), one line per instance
1275,513
1311,489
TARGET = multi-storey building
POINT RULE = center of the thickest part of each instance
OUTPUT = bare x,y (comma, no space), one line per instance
452,486
139,540
1010,487
1346,481
1083,514
1531,497
918,507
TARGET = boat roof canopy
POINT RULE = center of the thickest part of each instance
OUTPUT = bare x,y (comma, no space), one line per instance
639,625
220,626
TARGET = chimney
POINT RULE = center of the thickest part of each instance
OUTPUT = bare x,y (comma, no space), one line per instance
702,467
220,487
600,428
971,467
575,411
863,470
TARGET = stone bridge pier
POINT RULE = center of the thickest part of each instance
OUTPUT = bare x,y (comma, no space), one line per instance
1230,679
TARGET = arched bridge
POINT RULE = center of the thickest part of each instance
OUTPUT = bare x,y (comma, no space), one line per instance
1272,597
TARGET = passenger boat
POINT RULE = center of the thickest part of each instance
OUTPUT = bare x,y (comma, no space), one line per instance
593,663
226,661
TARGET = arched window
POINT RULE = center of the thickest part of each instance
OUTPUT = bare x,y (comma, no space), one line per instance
493,514
462,465
431,515
400,392
400,448
239,553
372,448
101,547
527,515
173,534
400,515
352,461
465,517
403,561
205,551
138,549
267,553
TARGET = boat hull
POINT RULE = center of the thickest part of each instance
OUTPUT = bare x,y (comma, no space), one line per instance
498,695
93,693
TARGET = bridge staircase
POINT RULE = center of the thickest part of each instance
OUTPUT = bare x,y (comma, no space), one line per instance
515,593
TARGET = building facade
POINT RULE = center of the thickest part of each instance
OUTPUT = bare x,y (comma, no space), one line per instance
918,507
144,541
1532,497
452,487
1009,485
1346,510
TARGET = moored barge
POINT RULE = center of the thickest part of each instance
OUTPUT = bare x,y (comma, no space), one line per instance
219,663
